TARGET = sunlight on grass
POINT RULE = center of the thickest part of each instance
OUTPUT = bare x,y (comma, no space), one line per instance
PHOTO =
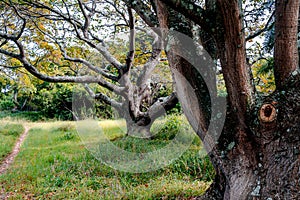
54,163
112,123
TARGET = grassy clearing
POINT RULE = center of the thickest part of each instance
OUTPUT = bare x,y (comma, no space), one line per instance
53,163
9,133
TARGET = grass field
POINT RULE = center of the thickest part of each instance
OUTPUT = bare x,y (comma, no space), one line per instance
54,164
9,133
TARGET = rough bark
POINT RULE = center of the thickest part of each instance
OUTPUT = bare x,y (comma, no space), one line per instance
278,146
231,47
188,81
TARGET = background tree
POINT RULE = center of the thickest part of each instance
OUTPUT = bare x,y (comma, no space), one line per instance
53,40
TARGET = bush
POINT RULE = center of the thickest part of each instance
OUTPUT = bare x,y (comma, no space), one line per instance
6,104
170,127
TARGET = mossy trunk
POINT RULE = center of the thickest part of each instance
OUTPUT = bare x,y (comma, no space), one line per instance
263,163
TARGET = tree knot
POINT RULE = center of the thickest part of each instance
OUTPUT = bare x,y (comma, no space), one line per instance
267,113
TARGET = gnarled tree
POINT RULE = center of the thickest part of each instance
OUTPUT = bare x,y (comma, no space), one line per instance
54,40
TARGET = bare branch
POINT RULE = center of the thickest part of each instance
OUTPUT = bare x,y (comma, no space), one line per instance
103,50
88,64
23,25
189,10
102,97
154,59
143,11
31,69
11,67
163,104
130,55
87,18
267,27
114,4
77,25
10,54
61,79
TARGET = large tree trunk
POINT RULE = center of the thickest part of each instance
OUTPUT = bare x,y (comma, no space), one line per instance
138,119
286,47
140,129
257,154
269,167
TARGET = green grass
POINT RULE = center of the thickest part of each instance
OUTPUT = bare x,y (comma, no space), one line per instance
54,164
9,134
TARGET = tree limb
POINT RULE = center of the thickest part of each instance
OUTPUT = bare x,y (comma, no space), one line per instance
286,48
152,62
31,69
143,11
190,10
87,19
162,105
102,97
131,53
88,64
267,27
84,27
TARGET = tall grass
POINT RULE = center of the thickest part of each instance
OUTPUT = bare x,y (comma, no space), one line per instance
32,116
54,163
9,134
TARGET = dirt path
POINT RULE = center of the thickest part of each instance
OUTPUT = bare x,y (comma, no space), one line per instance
10,158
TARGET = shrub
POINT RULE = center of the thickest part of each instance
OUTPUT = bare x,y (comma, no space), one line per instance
6,104
170,128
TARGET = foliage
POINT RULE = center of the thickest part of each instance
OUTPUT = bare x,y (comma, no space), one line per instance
54,101
6,103
171,125
221,88
263,72
49,101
